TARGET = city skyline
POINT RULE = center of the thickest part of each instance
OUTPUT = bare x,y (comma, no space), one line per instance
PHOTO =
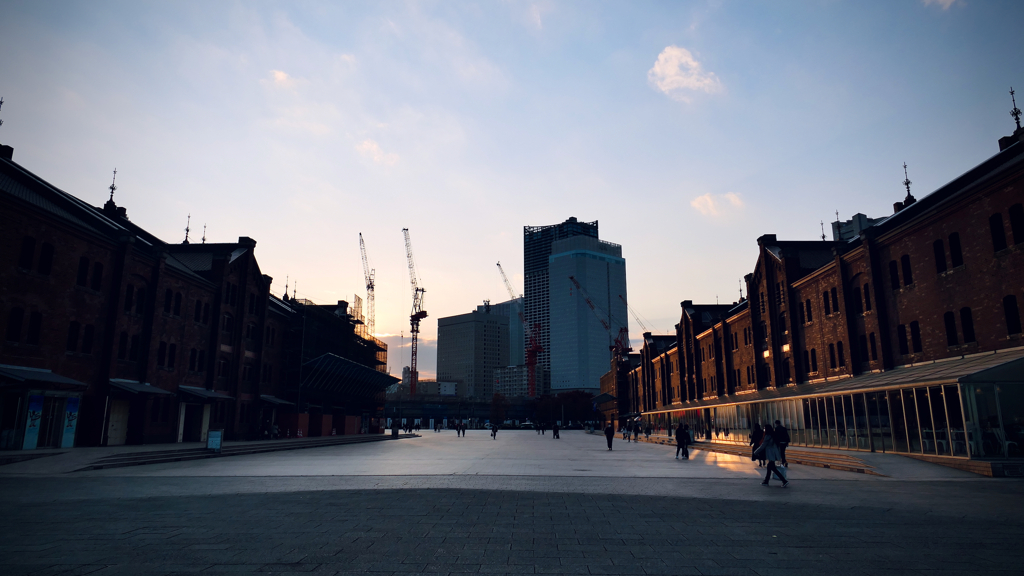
303,126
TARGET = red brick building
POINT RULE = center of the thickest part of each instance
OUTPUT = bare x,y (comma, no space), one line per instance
114,336
906,338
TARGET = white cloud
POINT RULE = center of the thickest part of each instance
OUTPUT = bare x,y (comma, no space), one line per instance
677,73
945,4
281,79
371,150
712,205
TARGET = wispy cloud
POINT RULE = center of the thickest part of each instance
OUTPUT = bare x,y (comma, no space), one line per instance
372,151
678,74
715,205
944,4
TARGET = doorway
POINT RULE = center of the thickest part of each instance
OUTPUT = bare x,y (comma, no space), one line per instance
117,429
193,423
51,425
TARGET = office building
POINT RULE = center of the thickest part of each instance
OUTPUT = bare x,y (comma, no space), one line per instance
469,348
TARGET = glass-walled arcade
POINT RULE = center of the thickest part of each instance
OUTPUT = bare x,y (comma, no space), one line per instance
962,420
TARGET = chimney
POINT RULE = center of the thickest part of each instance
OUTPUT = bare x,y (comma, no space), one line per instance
6,151
342,308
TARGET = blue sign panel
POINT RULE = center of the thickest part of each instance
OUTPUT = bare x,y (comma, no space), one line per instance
35,414
70,422
213,440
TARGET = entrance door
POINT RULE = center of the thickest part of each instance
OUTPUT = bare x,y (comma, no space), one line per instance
117,429
193,430
51,425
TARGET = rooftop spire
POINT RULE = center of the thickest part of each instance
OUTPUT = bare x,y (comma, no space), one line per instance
906,182
204,233
188,223
2,105
1016,111
112,187
822,222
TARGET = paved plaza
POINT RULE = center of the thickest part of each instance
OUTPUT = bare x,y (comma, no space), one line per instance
521,504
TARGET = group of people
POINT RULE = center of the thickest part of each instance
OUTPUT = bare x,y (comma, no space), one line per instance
633,430
770,444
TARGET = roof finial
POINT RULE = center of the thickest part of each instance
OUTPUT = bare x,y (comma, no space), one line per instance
204,233
837,215
187,224
1016,113
907,181
822,230
740,282
294,288
1,106
112,187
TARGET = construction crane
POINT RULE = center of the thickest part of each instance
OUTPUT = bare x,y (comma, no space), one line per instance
633,312
620,346
417,314
533,347
369,274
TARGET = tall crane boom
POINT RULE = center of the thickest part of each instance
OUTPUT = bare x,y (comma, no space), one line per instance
620,346
417,314
533,347
369,274
633,312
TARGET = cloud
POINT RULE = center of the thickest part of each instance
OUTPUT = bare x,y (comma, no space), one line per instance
711,205
945,4
677,73
280,79
371,150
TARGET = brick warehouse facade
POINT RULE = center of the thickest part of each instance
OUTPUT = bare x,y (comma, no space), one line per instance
906,338
113,336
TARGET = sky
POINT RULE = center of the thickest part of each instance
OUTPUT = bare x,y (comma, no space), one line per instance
687,129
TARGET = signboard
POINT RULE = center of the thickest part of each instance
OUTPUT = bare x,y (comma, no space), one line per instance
33,417
70,422
213,439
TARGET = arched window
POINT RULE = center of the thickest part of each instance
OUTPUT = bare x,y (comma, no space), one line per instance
949,320
832,356
168,298
995,225
73,329
177,304
88,335
956,255
197,314
192,355
15,318
28,253
35,327
840,351
129,297
1012,314
45,259
940,256
83,271
97,276
814,360
967,323
908,274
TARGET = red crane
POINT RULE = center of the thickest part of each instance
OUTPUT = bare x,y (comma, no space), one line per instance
620,347
533,347
418,313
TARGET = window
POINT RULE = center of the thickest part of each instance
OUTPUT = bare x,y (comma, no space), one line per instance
197,314
841,352
1012,315
810,315
908,275
761,294
161,354
1017,223
35,326
814,360
177,304
940,256
863,341
227,323
73,330
785,370
967,324
867,297
97,276
206,313
140,301
803,319
168,300
835,302
894,275
782,323
874,350
28,252
133,349
858,304
915,336
88,335
246,373
201,361
995,225
83,271
122,346
129,297
832,356
901,332
250,331
172,355
807,361
780,298
252,303
222,368
949,319
192,356
827,303
15,318
956,256
45,259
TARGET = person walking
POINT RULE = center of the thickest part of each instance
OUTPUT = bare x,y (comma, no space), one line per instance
636,432
609,433
756,437
782,440
647,431
494,431
554,432
769,451
682,441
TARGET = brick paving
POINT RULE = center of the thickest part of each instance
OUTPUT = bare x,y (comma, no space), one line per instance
500,524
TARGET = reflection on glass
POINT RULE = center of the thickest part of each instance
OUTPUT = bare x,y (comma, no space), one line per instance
899,425
863,435
830,417
1011,408
956,420
913,432
811,406
840,421
822,422
924,416
851,423
939,420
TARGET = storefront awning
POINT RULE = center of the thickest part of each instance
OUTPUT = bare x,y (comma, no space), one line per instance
203,393
999,366
21,376
135,387
602,398
334,374
275,400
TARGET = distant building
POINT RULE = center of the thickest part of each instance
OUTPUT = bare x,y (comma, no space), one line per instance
580,346
843,231
469,348
511,381
516,344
